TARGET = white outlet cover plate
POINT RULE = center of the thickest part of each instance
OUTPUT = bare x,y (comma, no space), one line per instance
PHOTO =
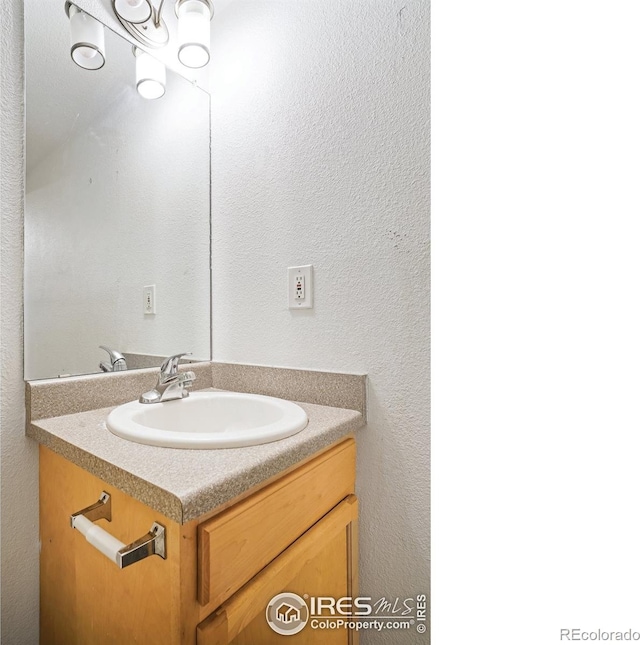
307,272
149,300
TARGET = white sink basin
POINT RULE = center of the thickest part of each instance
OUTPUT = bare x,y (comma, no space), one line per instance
208,420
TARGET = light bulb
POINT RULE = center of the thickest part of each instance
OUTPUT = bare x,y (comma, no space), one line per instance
87,52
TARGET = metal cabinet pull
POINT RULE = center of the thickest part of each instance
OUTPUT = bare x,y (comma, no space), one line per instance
153,543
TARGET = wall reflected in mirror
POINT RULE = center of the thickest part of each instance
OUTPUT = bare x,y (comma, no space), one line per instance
117,199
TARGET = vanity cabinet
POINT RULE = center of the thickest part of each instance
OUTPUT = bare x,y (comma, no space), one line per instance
297,533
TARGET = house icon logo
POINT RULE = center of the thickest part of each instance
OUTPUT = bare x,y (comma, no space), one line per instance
287,613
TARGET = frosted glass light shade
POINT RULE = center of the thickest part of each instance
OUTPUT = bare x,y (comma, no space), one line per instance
134,11
151,75
87,39
194,33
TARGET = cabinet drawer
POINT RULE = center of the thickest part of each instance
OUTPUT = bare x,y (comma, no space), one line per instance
238,543
320,563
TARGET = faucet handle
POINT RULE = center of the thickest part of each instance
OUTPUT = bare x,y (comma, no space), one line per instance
170,365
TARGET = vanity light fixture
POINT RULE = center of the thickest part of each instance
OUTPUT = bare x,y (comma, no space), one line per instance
151,75
194,33
87,38
152,31
145,23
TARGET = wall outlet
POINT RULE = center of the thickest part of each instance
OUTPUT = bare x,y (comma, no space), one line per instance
300,287
149,300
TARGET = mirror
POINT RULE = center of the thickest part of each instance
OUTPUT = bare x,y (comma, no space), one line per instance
117,199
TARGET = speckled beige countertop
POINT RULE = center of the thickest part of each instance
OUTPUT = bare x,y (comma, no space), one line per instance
185,484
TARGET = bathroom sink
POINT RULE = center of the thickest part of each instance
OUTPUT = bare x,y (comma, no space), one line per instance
208,420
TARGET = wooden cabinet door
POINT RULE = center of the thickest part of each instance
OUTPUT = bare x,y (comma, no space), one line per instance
322,562
84,597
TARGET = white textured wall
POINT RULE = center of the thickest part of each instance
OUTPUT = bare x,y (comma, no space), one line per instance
320,156
122,203
18,455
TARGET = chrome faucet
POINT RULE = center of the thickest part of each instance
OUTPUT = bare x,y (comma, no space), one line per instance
171,385
117,362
